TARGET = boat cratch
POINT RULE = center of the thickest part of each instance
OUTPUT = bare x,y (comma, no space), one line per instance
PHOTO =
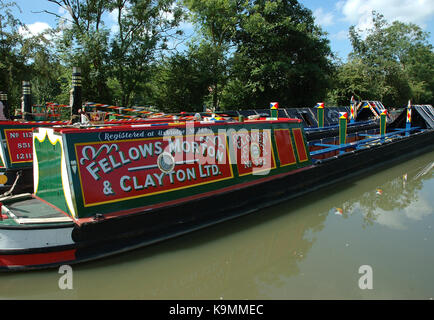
101,190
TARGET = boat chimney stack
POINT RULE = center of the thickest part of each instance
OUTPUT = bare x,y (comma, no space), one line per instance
320,114
4,107
408,120
274,110
75,97
342,130
352,110
383,121
26,101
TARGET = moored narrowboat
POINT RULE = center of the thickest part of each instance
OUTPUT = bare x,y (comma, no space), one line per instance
104,190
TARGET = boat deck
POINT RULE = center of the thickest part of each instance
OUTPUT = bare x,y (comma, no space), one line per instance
31,211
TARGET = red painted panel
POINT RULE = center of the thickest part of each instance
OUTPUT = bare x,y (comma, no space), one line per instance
35,259
299,142
127,169
284,147
20,145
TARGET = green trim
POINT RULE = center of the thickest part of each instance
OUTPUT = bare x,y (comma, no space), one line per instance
320,114
382,124
50,186
342,130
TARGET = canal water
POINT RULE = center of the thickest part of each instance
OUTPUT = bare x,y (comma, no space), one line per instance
371,238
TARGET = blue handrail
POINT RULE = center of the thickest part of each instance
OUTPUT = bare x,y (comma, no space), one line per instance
358,144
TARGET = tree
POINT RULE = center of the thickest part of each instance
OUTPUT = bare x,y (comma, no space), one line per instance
182,81
13,67
352,79
217,21
281,56
120,56
143,27
420,70
46,76
398,59
83,42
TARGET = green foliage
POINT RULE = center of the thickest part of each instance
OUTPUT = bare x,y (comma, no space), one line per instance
281,56
181,82
217,22
45,81
393,63
245,54
82,41
13,68
141,32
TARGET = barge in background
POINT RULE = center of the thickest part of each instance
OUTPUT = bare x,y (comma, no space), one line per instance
104,190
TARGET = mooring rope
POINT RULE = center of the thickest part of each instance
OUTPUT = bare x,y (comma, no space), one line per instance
9,192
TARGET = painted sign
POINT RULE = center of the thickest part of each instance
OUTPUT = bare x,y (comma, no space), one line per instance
19,144
253,151
110,171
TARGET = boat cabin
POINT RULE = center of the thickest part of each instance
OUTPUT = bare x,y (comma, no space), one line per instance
118,170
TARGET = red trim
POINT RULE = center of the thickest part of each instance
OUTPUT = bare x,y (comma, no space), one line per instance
34,259
194,197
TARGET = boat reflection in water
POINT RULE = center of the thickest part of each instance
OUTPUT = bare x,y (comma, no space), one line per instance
300,249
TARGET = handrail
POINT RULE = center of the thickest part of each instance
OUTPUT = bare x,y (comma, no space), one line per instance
356,144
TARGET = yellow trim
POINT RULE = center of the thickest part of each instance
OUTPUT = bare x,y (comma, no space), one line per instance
152,193
303,143
292,147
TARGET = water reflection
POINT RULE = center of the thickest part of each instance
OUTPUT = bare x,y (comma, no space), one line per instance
394,197
307,248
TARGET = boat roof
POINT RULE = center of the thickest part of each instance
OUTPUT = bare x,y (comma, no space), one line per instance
165,125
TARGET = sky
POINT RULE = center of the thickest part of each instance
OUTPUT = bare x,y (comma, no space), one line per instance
333,16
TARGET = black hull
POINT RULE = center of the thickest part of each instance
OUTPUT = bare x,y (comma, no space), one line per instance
102,238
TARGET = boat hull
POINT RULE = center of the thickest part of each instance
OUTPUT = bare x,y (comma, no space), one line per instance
103,237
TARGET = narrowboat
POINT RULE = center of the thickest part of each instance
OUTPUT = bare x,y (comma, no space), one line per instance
102,190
